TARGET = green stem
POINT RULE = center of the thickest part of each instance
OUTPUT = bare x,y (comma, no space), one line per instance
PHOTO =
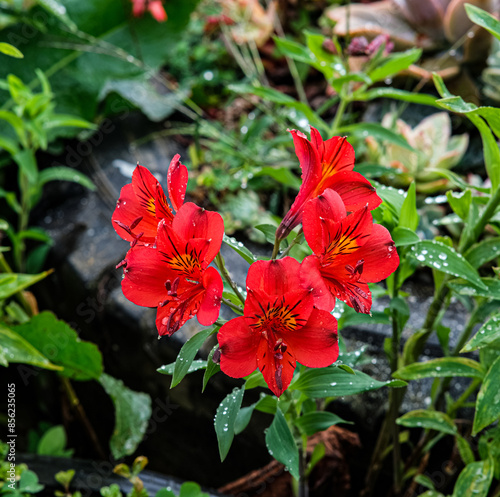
222,268
276,248
234,307
463,398
339,115
294,242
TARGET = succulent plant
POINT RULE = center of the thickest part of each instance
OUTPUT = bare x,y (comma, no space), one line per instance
435,148
428,24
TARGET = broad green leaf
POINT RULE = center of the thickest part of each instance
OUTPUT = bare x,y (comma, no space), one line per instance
312,422
243,418
26,161
60,343
239,248
8,49
378,131
254,380
464,449
442,367
335,382
483,252
474,480
490,289
28,483
212,367
188,353
396,94
460,202
269,231
424,418
408,218
281,444
281,174
488,334
394,64
295,51
132,413
14,348
11,283
488,399
63,173
437,255
196,365
404,236
225,419
53,443
191,489
8,145
483,19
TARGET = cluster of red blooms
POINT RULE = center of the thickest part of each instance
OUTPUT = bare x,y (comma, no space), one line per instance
287,314
155,8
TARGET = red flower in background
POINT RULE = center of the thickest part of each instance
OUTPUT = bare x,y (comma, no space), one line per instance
155,7
326,164
142,203
174,276
349,251
280,326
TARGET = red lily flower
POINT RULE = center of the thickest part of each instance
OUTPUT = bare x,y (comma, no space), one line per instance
174,276
349,252
280,326
155,7
142,203
326,164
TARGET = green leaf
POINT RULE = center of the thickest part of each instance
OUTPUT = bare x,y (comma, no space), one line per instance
334,382
28,483
239,248
17,124
378,131
8,145
488,334
404,236
408,218
9,49
281,444
490,289
483,252
58,10
394,64
474,480
396,94
60,343
269,231
488,399
225,419
14,348
168,369
464,449
295,51
53,443
483,19
191,489
431,493
312,422
442,367
11,283
281,174
188,353
437,255
64,120
26,161
63,173
433,420
132,413
212,368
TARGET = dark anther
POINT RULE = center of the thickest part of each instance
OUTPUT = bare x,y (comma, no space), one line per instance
135,222
216,356
124,227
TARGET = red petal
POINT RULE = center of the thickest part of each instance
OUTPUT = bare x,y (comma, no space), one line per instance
354,293
311,278
238,346
157,10
328,205
278,373
177,179
129,209
210,305
315,345
274,277
192,221
379,255
308,158
288,311
355,190
336,155
144,277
